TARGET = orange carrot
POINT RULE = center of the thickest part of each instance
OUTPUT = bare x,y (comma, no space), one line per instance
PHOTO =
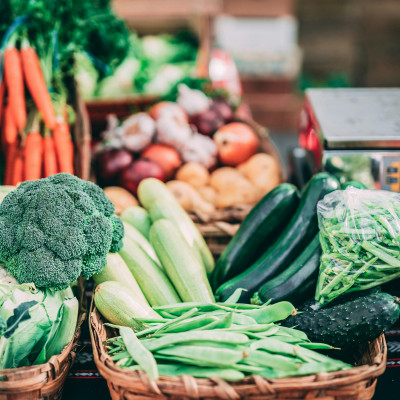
10,131
33,154
49,157
18,167
9,167
15,85
2,93
36,84
64,147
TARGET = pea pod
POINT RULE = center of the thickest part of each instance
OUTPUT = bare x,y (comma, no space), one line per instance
138,352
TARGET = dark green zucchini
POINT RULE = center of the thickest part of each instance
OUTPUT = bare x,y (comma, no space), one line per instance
359,319
257,232
299,232
297,282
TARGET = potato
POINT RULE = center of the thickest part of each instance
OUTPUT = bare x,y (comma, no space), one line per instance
120,197
194,174
208,194
189,198
240,192
263,171
223,177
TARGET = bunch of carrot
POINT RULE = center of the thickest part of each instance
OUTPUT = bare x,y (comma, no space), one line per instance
36,150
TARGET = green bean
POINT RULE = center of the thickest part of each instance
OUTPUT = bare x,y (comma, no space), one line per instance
120,356
317,346
204,353
206,336
139,353
272,313
264,359
235,296
188,324
293,332
220,323
243,319
228,374
177,320
191,361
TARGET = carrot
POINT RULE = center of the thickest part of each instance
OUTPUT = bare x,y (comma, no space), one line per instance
49,157
36,84
2,93
33,154
15,85
9,167
10,130
18,167
64,147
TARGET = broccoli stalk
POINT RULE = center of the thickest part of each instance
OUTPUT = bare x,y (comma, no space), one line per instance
55,229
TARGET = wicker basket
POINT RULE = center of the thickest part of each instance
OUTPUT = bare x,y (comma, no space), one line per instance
43,381
357,383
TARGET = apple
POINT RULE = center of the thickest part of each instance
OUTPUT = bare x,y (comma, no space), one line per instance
165,156
132,175
109,163
236,143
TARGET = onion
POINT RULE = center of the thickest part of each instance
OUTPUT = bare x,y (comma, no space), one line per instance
192,101
173,132
138,132
200,149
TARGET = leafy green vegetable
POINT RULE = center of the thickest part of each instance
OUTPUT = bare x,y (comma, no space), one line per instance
360,240
28,318
52,230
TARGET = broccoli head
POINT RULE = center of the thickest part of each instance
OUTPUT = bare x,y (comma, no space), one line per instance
55,229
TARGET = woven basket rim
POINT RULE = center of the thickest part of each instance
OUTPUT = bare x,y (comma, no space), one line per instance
330,380
35,377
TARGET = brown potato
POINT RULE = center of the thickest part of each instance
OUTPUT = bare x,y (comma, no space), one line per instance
223,177
194,174
208,194
120,197
189,198
240,192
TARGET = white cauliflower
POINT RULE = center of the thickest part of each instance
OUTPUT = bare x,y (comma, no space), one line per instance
5,277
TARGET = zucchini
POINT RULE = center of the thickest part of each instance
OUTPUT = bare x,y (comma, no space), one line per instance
153,281
117,271
345,323
181,265
141,241
258,230
301,229
152,191
297,283
139,218
119,306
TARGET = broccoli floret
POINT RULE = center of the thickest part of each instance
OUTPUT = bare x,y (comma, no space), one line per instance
55,229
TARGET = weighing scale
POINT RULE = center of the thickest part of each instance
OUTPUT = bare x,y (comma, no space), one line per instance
354,134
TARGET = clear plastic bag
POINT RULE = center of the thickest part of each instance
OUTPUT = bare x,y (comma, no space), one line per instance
360,240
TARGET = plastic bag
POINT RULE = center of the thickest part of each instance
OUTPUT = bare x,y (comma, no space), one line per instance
360,240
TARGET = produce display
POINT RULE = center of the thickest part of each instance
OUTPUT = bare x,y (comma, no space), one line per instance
153,65
225,340
52,231
299,231
360,234
208,162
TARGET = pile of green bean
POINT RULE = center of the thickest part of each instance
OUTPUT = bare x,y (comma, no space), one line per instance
225,340
360,240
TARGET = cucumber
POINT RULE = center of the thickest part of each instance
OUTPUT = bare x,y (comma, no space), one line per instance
258,230
117,271
297,283
301,229
139,218
153,281
181,265
358,319
151,191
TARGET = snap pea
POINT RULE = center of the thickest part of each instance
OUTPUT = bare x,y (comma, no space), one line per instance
204,336
189,324
138,352
220,323
272,313
191,361
264,359
204,353
228,374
